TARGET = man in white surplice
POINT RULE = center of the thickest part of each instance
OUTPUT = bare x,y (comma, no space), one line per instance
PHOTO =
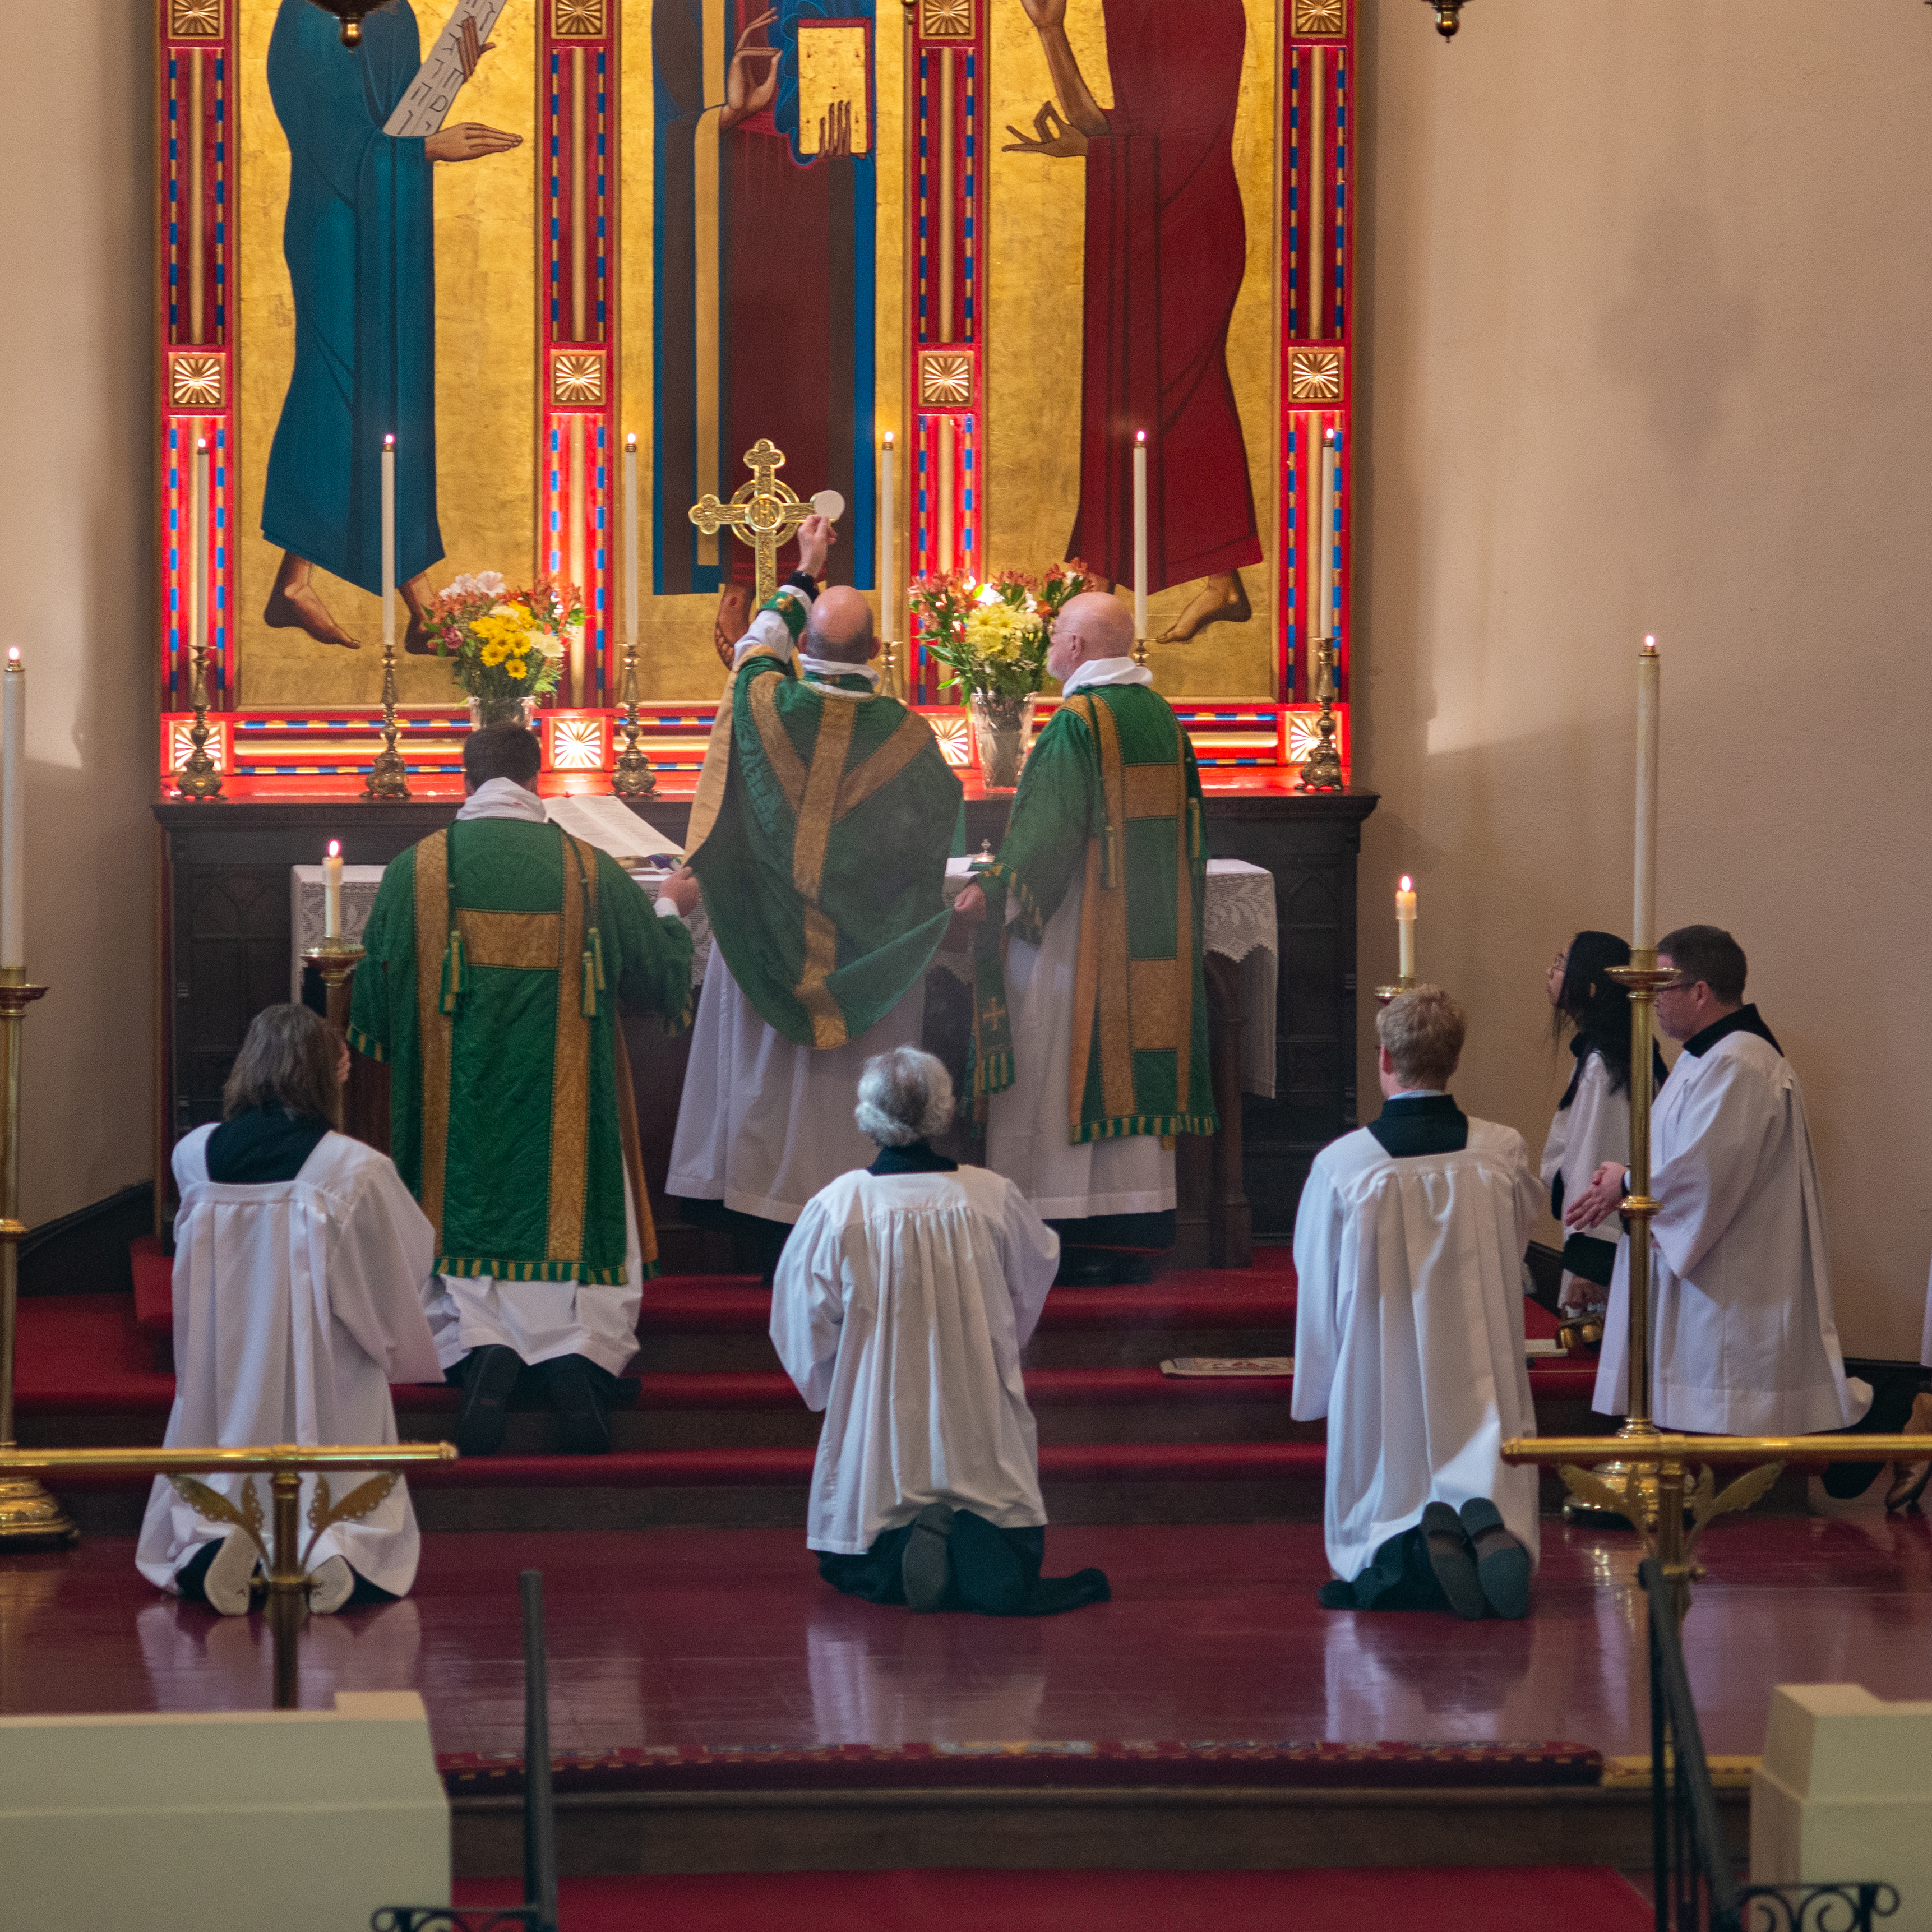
902,1303
300,1262
1743,1338
1408,1248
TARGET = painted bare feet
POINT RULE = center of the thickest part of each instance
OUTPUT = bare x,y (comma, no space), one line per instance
294,605
1222,599
734,619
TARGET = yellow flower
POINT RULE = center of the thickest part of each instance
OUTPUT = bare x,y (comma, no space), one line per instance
516,667
493,654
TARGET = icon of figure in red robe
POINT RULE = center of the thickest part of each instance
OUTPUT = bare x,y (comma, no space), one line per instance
1166,251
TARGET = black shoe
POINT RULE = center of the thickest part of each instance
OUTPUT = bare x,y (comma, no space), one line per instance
577,1389
1502,1563
489,1376
925,1563
1454,1563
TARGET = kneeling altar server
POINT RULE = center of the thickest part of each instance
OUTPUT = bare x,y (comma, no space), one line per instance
1408,1248
1091,1039
1743,1340
300,1263
824,820
497,951
902,1302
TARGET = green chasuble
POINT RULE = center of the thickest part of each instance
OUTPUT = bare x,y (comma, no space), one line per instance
497,951
823,820
1110,795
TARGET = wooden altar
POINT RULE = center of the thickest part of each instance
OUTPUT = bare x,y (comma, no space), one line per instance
226,945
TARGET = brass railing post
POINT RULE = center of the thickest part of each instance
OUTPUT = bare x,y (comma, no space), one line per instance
288,1585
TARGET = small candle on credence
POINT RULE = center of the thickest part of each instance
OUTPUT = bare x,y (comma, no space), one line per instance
12,814
887,504
1140,534
1405,928
388,543
1649,682
631,538
332,893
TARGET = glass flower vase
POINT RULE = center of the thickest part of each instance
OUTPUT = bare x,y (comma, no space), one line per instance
502,711
1002,730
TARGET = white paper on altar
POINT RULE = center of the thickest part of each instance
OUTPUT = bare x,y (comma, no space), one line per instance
426,103
607,822
1238,923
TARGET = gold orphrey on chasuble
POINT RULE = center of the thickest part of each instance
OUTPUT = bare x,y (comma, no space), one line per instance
1148,1007
530,942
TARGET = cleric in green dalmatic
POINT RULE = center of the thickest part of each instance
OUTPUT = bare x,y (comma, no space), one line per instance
498,951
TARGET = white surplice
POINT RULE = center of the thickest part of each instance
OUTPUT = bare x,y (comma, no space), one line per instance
296,1304
902,1303
1593,1128
540,1320
1743,1339
1408,1333
1026,1123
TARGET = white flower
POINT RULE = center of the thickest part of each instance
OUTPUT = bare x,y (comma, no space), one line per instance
550,643
485,583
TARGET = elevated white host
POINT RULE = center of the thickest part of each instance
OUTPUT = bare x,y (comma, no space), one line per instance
830,505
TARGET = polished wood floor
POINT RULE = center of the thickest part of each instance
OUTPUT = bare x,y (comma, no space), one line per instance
727,1636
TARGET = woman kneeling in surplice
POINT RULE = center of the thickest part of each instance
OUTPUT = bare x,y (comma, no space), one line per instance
301,1262
1408,1247
902,1303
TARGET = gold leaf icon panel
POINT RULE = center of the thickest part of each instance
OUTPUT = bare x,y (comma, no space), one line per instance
945,380
195,381
1315,375
577,378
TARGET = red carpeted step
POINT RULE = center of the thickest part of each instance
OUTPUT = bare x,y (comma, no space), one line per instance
83,1353
153,1287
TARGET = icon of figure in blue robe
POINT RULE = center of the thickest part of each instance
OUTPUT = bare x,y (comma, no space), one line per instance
359,241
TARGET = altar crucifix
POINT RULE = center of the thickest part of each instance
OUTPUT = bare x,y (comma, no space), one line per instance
764,513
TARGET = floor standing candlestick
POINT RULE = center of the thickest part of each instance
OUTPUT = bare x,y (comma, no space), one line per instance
634,777
387,778
198,776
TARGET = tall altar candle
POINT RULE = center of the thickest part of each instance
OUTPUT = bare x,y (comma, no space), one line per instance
1140,534
1405,928
12,812
888,506
631,539
331,891
388,543
1649,678
1321,620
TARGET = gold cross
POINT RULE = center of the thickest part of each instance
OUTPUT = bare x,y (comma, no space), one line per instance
994,1012
764,513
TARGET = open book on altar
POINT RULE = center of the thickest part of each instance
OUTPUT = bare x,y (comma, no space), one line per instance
426,103
612,826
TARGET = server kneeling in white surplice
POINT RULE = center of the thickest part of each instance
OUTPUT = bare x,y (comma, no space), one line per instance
300,1265
900,1305
1408,1250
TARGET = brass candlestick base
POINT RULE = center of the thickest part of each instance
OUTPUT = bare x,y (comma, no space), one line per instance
1141,651
1323,771
1385,994
634,777
388,777
30,1518
336,960
199,777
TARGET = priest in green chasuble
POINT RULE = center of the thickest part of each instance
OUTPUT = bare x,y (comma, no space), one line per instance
1090,1035
498,951
824,816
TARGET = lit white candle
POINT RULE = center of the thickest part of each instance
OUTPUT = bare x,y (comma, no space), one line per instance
631,538
332,893
1405,928
1322,618
1140,534
887,565
12,814
1649,681
388,543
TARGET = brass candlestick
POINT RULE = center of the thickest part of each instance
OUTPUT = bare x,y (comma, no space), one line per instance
198,775
1323,772
1407,983
30,1518
634,777
336,960
1639,1481
386,775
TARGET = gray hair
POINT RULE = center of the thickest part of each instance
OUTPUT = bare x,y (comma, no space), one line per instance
904,1096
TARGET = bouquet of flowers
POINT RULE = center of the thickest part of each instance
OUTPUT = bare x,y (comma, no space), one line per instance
509,645
992,637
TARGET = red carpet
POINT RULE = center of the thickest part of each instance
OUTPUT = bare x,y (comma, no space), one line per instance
1523,1898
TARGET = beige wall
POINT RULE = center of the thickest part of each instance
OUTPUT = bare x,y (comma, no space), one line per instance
1646,311
75,551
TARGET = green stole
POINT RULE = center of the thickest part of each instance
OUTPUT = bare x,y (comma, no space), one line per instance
825,815
1110,791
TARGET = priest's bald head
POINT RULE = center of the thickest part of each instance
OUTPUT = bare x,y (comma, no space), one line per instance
1092,626
840,627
